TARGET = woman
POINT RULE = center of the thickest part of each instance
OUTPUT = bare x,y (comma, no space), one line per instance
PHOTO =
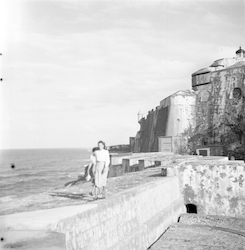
101,169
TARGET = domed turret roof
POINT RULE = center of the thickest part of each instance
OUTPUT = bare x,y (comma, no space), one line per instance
240,51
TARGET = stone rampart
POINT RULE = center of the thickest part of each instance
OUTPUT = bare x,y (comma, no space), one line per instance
215,187
132,220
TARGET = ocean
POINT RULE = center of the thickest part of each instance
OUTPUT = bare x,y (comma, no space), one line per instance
38,170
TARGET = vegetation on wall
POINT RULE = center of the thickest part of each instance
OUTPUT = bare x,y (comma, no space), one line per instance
234,138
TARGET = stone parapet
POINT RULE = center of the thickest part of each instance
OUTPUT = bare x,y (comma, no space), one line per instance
215,187
133,219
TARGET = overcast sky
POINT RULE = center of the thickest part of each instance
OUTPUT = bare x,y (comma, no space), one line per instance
75,72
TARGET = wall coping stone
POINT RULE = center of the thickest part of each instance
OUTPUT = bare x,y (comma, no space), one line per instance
41,219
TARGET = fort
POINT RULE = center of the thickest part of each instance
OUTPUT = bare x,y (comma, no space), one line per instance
211,114
157,198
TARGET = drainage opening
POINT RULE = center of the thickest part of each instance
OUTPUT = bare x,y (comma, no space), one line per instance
191,209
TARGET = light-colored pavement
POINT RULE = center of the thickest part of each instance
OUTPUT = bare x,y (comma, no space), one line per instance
195,232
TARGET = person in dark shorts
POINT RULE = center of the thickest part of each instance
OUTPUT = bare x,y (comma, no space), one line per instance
91,169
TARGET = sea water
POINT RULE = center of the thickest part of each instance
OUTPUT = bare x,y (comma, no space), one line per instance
30,171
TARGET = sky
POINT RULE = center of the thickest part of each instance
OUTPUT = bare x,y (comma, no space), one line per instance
76,72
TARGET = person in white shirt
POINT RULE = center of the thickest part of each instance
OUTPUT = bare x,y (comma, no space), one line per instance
101,168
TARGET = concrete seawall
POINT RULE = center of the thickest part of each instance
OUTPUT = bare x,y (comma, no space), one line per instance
215,187
131,220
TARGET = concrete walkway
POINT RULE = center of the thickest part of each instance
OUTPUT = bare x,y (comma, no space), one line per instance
78,194
203,232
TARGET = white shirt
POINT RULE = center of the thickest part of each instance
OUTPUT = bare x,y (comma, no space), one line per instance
93,159
103,155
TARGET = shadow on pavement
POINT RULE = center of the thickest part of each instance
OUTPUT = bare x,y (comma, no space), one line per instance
156,175
72,183
82,196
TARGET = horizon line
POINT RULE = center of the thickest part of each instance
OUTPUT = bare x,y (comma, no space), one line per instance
44,148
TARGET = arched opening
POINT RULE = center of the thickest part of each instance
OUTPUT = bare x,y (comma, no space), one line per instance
237,93
191,208
205,96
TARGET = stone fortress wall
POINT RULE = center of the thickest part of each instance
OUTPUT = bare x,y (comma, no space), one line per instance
217,90
174,114
215,99
216,188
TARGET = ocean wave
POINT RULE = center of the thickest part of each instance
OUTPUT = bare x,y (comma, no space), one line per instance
25,183
34,180
6,198
13,175
2,176
16,169
39,170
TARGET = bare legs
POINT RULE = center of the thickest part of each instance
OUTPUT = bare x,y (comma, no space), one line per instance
96,193
103,192
99,191
100,181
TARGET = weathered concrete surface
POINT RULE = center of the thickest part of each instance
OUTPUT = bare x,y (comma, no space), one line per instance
231,223
194,237
30,240
131,163
203,232
46,219
140,161
215,187
117,158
